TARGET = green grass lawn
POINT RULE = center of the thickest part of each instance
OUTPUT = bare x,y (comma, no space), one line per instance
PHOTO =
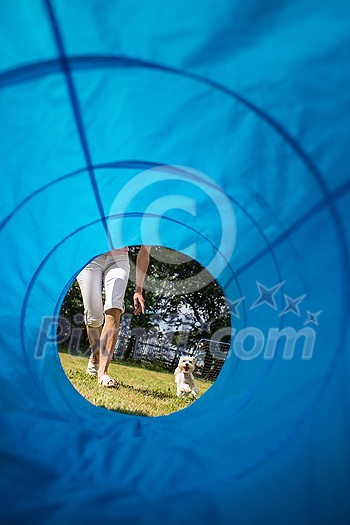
143,392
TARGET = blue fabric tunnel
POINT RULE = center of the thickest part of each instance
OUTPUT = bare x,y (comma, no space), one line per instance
220,129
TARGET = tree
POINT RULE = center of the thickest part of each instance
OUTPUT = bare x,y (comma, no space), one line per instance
181,298
199,312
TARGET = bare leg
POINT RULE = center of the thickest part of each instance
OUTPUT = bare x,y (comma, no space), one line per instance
94,335
108,339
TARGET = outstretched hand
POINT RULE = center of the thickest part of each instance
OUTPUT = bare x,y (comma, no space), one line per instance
139,303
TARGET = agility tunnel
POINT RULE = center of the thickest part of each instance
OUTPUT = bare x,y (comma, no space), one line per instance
216,128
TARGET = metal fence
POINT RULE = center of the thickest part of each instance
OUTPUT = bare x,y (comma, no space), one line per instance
158,352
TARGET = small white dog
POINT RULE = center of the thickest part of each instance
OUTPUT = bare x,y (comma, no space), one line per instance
184,378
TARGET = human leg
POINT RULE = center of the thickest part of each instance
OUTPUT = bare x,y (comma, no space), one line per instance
115,282
90,283
109,337
94,336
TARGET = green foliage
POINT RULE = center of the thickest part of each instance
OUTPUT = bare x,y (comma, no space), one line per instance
182,295
170,306
73,310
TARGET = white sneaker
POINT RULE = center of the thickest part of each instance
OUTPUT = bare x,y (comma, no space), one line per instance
92,368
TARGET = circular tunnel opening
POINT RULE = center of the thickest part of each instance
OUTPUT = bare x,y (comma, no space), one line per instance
164,359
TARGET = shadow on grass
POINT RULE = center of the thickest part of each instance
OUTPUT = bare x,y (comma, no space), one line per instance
147,392
126,412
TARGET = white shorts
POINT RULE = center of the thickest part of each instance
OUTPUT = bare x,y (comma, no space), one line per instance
113,272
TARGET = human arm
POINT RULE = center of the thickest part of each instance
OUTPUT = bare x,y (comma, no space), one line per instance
142,263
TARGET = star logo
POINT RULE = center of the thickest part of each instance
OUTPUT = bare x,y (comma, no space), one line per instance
234,306
266,295
292,305
312,317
